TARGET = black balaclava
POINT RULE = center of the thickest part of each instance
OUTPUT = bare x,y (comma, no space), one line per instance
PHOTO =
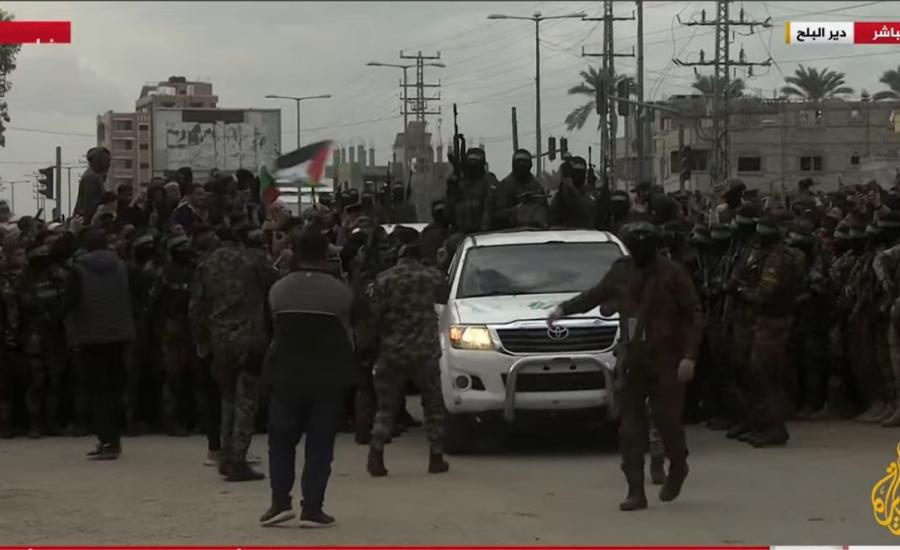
842,241
578,171
398,193
733,199
326,199
521,165
181,254
619,204
367,199
642,240
857,240
720,236
475,165
767,232
439,214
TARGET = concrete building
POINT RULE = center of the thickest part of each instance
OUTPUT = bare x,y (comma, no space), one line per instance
207,139
775,143
127,136
176,92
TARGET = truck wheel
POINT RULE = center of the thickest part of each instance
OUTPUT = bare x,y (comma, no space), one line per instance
458,433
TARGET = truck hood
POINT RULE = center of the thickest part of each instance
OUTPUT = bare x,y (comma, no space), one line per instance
489,310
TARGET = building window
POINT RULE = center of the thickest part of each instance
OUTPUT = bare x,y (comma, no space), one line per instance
124,144
811,164
122,125
125,164
674,162
144,146
854,159
145,165
749,164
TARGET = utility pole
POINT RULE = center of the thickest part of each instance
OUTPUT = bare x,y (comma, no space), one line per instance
515,131
69,193
640,118
608,114
58,185
721,84
537,18
420,102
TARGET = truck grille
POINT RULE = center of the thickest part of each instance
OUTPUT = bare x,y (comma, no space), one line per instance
560,381
538,340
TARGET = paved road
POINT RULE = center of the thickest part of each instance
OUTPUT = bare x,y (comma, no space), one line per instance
816,491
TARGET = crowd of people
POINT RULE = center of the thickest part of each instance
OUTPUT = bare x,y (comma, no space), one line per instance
152,311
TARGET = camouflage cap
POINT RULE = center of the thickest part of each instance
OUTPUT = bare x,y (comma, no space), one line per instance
889,220
748,214
176,241
768,225
720,232
700,235
37,251
619,196
639,230
142,239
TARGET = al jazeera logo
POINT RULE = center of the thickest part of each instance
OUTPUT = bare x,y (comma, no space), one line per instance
885,498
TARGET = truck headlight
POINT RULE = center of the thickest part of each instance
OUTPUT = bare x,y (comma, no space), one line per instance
471,337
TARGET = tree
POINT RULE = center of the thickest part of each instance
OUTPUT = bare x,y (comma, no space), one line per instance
8,55
593,85
812,85
892,79
705,84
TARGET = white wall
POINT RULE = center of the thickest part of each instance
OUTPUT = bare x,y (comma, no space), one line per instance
203,146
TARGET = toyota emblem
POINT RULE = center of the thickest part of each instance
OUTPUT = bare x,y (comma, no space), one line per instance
557,332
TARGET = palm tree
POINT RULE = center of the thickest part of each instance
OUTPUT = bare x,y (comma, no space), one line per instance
594,82
892,79
705,84
812,85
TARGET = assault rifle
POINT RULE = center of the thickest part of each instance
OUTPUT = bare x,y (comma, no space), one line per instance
459,147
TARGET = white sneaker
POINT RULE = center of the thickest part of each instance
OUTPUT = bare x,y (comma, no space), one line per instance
212,458
253,459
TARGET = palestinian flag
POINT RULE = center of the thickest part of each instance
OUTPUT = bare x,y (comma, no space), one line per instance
268,188
305,166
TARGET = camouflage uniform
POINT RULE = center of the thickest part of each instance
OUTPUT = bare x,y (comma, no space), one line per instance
810,329
721,377
470,200
741,268
862,322
839,333
9,331
227,312
178,354
143,280
45,342
403,299
773,297
886,265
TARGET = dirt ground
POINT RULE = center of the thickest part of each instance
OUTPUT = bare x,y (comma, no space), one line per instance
815,491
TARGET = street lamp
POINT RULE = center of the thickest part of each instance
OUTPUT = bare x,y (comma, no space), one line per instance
298,100
537,18
404,67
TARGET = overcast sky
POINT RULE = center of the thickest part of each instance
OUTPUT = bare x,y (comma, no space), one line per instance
250,49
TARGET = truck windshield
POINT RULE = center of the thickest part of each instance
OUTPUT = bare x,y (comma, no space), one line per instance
542,268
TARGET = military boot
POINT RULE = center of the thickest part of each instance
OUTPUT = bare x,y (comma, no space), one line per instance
775,436
436,463
241,471
752,434
739,429
6,427
872,412
657,469
674,481
636,498
375,466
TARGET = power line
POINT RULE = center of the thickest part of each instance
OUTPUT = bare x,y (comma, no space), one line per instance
53,132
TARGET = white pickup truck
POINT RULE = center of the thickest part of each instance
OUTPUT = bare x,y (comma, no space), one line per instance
499,358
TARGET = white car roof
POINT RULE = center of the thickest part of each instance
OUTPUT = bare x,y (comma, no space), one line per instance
537,237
